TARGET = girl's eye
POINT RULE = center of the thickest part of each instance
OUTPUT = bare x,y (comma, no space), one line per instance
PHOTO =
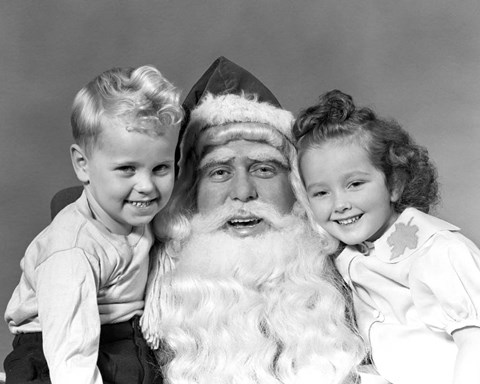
356,184
128,169
319,193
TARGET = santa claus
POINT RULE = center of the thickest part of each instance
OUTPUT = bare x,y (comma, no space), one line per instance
242,290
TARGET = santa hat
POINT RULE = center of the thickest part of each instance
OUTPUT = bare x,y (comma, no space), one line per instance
226,94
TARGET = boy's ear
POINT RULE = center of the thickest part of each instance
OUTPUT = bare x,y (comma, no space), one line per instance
80,163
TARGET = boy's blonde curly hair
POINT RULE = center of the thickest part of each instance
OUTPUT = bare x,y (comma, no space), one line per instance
141,96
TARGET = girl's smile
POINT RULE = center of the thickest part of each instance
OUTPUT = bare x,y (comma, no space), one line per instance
349,221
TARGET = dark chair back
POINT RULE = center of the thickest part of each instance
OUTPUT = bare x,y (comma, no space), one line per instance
64,197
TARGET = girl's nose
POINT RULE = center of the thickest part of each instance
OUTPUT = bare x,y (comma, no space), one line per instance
342,204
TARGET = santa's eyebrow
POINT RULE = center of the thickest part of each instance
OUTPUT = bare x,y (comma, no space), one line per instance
224,156
279,164
216,156
270,157
213,162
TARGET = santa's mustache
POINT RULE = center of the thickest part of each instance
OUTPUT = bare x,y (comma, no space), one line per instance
238,214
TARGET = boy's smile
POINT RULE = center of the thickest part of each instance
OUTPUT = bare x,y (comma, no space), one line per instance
140,204
129,175
143,207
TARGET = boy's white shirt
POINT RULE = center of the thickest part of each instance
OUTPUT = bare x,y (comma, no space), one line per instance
412,288
77,276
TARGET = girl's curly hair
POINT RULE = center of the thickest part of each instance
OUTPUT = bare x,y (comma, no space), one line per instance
405,164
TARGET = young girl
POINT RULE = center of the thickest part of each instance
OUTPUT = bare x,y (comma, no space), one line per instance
415,279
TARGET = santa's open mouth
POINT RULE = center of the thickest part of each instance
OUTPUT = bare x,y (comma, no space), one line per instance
244,223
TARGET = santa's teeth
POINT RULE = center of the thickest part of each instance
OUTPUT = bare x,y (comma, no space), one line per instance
244,221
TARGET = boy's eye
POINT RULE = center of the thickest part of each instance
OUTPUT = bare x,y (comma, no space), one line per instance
162,169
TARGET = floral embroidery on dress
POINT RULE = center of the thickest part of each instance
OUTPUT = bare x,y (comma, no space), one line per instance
405,236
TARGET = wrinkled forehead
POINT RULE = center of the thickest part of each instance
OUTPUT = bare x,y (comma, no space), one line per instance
265,141
235,149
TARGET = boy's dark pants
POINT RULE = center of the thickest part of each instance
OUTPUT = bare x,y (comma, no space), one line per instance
123,358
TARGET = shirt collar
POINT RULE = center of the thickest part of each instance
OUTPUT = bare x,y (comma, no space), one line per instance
409,232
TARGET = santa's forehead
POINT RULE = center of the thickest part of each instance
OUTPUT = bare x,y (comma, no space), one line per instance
255,151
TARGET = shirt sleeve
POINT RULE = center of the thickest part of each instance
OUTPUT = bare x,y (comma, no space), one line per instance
68,314
445,285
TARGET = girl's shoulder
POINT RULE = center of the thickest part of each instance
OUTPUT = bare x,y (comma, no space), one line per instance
424,221
445,249
437,233
410,233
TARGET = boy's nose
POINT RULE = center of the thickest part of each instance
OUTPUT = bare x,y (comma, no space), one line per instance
145,184
242,188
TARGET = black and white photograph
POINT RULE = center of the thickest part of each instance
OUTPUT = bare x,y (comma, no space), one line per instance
240,192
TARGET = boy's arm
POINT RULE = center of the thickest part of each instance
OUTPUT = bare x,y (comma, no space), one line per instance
68,314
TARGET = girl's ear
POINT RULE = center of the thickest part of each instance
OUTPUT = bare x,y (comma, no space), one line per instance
80,163
398,184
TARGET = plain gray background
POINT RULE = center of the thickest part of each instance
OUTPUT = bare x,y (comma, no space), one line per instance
417,61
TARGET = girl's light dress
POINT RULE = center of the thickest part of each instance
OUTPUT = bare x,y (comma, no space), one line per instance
412,289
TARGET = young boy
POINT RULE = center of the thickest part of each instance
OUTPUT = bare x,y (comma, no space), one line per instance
75,311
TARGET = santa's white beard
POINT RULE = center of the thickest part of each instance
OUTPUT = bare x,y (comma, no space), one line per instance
258,309
213,253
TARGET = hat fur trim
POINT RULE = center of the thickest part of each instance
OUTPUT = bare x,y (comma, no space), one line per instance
217,110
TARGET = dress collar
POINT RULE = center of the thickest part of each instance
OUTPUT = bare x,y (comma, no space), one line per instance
409,232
